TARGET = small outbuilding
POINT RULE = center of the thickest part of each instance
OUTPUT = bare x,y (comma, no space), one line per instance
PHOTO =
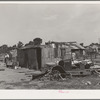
35,57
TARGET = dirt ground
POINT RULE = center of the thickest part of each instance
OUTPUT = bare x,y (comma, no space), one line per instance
21,79
17,78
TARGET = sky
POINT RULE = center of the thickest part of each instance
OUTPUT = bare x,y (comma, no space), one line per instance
55,22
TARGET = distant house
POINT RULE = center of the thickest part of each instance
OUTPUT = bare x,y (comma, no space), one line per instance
95,47
2,57
99,48
14,54
92,50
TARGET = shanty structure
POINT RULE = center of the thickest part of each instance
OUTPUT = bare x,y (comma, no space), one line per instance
91,52
35,57
77,49
14,54
64,50
61,50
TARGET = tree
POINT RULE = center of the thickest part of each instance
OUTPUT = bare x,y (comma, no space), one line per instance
82,44
14,46
10,48
20,44
30,43
4,48
37,41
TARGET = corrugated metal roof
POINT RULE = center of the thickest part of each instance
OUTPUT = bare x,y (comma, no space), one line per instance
29,46
32,46
67,45
73,47
77,46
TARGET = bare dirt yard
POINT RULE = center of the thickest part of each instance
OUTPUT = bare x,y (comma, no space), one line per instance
21,79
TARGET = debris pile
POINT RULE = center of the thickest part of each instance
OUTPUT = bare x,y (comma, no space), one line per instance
86,82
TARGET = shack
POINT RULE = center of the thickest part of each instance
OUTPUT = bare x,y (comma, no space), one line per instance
61,50
35,57
77,49
64,50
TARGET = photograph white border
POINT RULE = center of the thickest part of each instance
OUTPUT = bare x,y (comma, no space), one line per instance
50,94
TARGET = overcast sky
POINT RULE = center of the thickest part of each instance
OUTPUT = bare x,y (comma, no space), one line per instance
57,22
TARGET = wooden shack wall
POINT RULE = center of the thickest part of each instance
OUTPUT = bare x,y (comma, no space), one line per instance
21,57
48,55
79,53
32,59
28,58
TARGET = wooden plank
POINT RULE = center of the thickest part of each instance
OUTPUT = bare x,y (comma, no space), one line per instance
81,72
